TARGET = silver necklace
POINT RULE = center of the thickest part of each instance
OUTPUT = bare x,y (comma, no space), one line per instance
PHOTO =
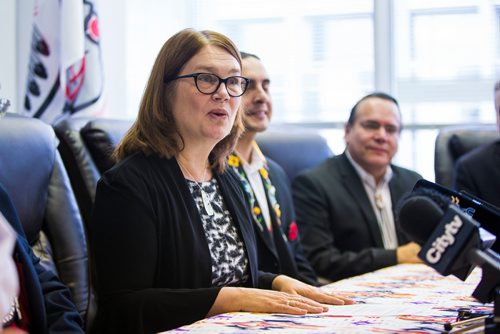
204,196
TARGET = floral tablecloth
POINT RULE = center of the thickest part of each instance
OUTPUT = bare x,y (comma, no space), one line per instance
399,299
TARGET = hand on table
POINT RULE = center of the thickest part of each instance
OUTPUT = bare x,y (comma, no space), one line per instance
288,296
295,287
408,253
232,299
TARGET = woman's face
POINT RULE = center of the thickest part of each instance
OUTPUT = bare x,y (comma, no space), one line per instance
206,118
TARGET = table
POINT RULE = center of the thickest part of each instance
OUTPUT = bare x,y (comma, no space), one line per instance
409,298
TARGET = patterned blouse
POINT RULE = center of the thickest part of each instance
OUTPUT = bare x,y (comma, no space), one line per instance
229,259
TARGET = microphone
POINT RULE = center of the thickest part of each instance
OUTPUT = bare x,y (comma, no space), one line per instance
452,241
483,212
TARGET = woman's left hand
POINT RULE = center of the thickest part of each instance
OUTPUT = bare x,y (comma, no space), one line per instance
295,287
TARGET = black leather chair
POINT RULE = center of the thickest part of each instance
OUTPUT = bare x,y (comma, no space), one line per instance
87,157
101,136
453,142
32,172
86,146
78,162
294,149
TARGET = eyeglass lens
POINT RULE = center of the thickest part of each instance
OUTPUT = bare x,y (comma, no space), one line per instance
208,83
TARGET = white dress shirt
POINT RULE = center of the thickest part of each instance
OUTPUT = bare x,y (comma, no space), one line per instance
255,180
380,198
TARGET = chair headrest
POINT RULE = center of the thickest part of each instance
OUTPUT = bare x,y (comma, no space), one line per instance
454,141
466,140
294,149
27,153
101,137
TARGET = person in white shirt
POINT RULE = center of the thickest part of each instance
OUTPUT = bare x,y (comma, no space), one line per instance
266,184
345,206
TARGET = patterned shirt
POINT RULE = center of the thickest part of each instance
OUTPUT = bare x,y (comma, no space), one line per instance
227,251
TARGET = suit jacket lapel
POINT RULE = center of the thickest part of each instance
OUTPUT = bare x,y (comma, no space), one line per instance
397,191
354,186
265,235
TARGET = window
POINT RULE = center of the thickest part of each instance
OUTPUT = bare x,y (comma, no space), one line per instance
440,58
319,54
446,65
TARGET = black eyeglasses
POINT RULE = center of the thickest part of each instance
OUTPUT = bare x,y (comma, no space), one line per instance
208,83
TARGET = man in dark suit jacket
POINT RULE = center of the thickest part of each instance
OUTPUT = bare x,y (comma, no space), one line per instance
266,184
48,306
478,172
345,206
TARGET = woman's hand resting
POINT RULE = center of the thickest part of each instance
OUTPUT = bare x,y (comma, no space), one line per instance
260,300
288,296
295,287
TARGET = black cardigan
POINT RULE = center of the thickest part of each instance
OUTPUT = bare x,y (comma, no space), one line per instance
152,265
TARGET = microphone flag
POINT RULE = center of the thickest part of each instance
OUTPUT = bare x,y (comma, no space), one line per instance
452,236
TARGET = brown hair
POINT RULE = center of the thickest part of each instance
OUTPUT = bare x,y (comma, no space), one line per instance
154,130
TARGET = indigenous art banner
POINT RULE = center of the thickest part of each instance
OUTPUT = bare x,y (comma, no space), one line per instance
65,74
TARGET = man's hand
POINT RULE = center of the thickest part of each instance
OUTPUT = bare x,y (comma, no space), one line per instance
408,253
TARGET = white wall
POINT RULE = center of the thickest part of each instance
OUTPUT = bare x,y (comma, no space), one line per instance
8,78
112,14
148,24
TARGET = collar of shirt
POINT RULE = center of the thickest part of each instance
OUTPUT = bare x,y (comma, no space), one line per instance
258,160
380,199
366,177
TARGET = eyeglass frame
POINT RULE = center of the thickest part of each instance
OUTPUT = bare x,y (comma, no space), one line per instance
195,78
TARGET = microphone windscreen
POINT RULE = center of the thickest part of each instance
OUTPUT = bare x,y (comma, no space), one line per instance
442,200
483,212
418,217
